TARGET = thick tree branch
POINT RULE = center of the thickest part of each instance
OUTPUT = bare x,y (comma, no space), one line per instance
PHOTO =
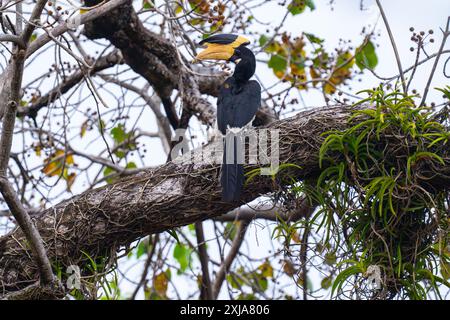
101,221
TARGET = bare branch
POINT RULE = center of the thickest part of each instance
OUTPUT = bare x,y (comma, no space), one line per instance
394,46
234,250
12,38
445,35
206,292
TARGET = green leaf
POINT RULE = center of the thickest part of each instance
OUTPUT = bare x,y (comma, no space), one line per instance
146,5
230,230
173,234
109,171
330,258
168,273
343,276
262,282
33,37
142,248
421,155
182,254
101,126
131,165
313,38
234,281
310,4
445,91
299,6
277,63
445,270
118,133
326,282
263,40
247,296
366,56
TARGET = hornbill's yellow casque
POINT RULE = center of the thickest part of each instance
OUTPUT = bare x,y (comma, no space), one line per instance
239,99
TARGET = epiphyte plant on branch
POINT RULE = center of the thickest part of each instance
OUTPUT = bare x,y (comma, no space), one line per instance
387,197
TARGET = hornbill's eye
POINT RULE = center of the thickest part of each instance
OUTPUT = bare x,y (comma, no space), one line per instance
236,57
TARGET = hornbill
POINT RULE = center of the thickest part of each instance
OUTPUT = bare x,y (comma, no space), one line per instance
238,100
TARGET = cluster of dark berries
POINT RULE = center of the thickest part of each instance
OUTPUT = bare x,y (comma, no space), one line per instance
419,37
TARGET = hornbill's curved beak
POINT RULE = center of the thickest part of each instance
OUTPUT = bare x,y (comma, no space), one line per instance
220,47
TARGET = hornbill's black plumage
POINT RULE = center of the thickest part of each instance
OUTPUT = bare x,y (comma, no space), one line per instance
239,99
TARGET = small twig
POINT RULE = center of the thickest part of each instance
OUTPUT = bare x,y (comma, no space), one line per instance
226,264
12,38
445,33
409,68
394,46
304,260
206,287
416,64
148,261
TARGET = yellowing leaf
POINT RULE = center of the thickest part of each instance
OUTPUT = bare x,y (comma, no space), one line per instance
70,179
297,69
52,169
326,282
296,237
38,150
273,47
279,74
69,159
160,283
314,75
329,88
345,60
337,78
266,269
56,162
178,9
289,268
83,129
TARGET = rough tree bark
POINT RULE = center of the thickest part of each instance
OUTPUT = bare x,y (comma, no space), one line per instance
101,221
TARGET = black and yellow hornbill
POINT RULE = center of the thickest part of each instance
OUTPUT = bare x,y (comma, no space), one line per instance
238,100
